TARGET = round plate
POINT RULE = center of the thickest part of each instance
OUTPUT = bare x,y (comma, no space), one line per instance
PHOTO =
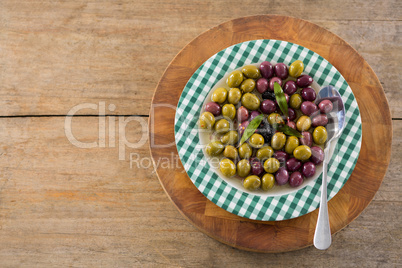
233,199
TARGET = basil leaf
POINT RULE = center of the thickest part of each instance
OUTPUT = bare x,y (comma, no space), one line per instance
250,129
289,131
281,99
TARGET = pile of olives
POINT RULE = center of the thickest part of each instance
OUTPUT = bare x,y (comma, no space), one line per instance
268,157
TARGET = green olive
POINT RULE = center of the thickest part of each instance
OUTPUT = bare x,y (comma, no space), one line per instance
265,153
235,78
227,167
275,118
234,96
302,152
222,126
271,165
278,140
207,120
267,181
214,148
230,152
252,182
320,135
256,140
303,123
296,68
231,137
251,71
295,101
245,151
219,95
291,143
248,85
250,101
243,168
229,111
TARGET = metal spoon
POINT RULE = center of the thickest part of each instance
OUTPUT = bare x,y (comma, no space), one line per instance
335,126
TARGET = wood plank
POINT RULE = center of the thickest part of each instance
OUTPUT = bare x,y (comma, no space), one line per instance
54,56
66,206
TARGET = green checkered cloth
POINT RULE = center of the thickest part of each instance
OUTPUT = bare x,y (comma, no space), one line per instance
237,201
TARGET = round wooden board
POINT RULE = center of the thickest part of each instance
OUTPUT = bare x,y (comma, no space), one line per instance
296,233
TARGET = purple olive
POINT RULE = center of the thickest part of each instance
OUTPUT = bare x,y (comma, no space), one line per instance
307,139
319,120
268,107
256,167
317,155
291,114
308,169
308,94
304,81
291,124
272,81
295,179
267,69
282,176
281,156
262,85
242,127
290,87
308,108
293,164
325,106
242,114
214,108
254,114
281,71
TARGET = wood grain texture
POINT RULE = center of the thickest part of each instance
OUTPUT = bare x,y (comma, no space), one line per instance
351,200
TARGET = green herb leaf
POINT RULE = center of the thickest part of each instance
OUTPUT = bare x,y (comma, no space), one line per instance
281,99
289,131
250,129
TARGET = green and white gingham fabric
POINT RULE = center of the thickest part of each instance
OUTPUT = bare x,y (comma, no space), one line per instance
254,206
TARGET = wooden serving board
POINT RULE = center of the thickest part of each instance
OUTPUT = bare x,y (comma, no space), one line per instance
296,233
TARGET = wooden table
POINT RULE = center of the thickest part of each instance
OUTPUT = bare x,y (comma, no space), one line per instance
65,205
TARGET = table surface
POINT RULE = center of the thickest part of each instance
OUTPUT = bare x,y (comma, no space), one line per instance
61,204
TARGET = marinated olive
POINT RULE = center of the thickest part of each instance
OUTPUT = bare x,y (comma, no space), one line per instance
296,68
267,181
252,182
272,82
320,135
231,137
271,165
278,140
307,139
207,120
219,95
229,111
242,114
293,164
243,168
214,148
319,120
222,126
234,96
264,153
262,85
268,95
295,179
308,94
281,70
295,101
275,118
254,114
243,127
304,81
308,108
325,106
235,78
251,71
291,143
250,101
256,140
213,108
290,87
282,176
227,167
230,152
281,156
248,85
256,167
267,69
291,114
268,106
303,123
291,124
245,151
302,152
317,155
308,169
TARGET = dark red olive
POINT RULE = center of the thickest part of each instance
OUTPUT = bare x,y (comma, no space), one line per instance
268,107
308,108
281,156
319,120
254,114
242,114
290,87
281,71
291,124
325,106
307,139
304,81
267,69
308,94
295,179
293,164
262,85
291,114
317,155
308,169
272,81
242,127
256,167
214,108
282,176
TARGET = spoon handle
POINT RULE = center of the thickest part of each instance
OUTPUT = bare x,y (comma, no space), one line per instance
322,235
